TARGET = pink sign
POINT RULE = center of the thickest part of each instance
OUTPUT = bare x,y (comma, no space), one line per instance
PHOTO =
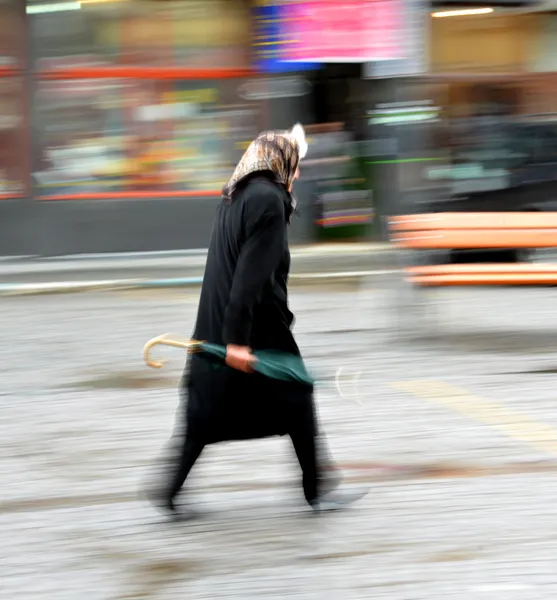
336,31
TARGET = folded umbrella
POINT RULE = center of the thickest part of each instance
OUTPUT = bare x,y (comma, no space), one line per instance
270,363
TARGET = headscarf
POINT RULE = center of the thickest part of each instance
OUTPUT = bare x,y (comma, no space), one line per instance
279,152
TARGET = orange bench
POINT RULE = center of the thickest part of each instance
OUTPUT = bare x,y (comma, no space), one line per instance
477,231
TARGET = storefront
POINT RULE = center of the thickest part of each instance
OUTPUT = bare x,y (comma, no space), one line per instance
122,119
119,121
494,77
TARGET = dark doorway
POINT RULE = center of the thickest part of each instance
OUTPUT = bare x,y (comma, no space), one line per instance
338,96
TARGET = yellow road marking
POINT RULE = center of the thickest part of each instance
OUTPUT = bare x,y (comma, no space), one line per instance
514,424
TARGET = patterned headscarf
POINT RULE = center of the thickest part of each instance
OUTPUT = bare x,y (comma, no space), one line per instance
277,151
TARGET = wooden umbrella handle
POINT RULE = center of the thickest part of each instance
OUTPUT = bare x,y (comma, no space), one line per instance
164,340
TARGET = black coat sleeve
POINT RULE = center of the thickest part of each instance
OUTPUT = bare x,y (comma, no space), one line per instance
260,255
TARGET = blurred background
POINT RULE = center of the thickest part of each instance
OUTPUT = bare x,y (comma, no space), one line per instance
122,119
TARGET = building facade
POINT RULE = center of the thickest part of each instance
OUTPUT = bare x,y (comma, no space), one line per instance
121,119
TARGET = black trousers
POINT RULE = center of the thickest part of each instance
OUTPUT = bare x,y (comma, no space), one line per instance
319,473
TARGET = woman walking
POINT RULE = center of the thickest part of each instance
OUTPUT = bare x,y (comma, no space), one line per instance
244,306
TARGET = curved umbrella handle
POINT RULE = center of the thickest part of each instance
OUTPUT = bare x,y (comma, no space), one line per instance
163,340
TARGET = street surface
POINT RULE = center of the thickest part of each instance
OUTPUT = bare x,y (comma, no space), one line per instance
454,427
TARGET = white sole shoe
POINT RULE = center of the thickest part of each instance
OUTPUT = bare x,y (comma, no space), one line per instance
339,499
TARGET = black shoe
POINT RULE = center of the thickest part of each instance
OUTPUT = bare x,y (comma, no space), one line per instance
338,499
162,502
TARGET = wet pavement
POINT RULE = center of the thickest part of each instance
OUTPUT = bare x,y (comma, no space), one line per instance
315,259
453,424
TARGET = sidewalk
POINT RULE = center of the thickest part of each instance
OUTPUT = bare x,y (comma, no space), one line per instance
31,275
459,507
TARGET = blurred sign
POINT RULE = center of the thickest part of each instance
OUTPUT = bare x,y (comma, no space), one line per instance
280,87
336,31
270,20
404,113
414,45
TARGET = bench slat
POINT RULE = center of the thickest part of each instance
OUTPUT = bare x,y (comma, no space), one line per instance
484,269
483,238
485,280
459,221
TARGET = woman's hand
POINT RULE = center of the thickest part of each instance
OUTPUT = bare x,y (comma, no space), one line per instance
240,358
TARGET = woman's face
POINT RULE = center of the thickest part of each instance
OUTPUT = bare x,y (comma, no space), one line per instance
296,175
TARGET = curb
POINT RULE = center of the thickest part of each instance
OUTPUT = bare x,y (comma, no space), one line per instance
66,287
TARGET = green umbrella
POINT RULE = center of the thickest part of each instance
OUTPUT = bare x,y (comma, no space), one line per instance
270,363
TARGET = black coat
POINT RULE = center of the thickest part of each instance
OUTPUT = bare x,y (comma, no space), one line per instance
244,300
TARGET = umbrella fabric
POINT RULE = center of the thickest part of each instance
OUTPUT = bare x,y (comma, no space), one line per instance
270,363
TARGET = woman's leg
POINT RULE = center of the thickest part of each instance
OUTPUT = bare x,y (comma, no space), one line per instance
183,450
320,474
304,442
190,452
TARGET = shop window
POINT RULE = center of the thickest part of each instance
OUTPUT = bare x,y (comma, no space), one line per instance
107,138
140,98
